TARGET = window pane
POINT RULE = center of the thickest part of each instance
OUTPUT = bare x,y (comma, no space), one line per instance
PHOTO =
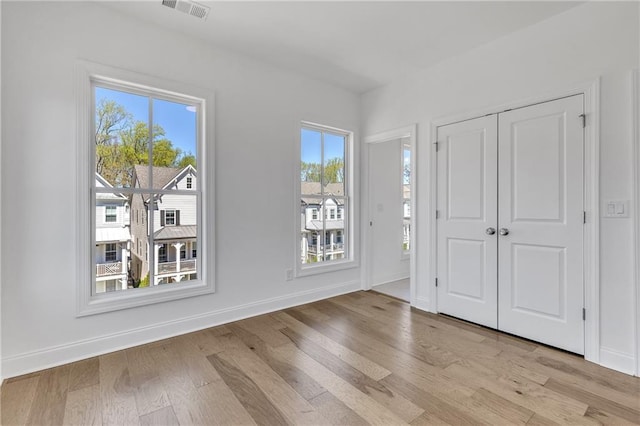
311,161
175,238
334,164
121,135
112,245
406,198
174,144
140,228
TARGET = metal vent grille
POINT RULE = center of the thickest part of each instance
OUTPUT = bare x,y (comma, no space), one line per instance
188,7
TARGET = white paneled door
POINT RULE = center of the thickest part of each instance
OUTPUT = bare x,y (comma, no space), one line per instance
467,217
536,208
540,164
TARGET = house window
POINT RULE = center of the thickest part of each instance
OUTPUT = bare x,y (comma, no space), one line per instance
162,253
194,250
150,139
314,214
325,181
169,218
110,252
183,251
339,237
110,214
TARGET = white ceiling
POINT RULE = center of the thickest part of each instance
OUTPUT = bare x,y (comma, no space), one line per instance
354,44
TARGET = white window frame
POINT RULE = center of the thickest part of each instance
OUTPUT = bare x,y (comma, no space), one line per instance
86,75
350,259
107,215
173,223
114,251
189,182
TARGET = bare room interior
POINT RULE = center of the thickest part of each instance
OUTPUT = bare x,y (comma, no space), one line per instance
317,212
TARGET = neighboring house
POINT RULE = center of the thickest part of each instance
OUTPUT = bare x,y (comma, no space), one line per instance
174,225
406,216
314,213
112,239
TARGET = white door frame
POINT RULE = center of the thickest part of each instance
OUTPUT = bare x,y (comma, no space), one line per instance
635,120
591,92
406,132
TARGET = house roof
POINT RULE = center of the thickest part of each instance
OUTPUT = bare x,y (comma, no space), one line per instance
161,176
101,182
313,188
112,235
176,232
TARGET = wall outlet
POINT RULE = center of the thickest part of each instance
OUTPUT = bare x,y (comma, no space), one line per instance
288,274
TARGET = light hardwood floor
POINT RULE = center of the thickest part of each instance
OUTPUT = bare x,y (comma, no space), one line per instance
356,359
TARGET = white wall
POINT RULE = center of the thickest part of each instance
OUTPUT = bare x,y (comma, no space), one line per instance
591,40
258,111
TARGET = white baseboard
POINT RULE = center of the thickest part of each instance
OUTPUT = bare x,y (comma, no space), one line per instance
29,362
391,279
619,361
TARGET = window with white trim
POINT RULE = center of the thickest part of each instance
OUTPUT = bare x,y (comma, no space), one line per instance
144,137
110,252
110,214
325,182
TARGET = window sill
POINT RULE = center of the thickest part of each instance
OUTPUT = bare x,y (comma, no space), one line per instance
304,271
118,300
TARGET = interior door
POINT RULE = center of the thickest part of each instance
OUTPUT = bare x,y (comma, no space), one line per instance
540,282
467,210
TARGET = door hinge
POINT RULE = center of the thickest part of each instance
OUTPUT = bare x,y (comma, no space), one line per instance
436,282
584,314
437,214
370,223
584,120
436,144
584,217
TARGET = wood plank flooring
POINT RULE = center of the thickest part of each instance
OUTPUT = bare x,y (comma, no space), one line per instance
361,358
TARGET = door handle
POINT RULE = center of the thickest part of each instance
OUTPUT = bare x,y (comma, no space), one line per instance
504,231
490,231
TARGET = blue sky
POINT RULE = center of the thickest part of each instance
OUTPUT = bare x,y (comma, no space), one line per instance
178,122
310,146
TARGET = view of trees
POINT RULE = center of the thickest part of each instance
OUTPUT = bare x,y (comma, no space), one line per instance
333,171
122,142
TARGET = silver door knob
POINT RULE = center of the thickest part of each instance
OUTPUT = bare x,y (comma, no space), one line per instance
504,231
490,231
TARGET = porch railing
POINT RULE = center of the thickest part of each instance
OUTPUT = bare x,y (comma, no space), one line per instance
114,268
169,267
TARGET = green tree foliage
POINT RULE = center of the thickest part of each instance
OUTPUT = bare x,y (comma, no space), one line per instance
122,143
333,171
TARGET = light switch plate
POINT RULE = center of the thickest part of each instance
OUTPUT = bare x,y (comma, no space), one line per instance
615,208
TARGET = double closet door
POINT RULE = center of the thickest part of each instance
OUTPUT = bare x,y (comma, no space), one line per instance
510,222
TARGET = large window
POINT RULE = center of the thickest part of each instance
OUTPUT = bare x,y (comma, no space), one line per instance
147,144
324,187
406,198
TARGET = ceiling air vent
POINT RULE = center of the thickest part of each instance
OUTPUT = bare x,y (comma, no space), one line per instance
188,7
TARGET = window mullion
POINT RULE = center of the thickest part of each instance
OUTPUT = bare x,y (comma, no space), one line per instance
151,251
